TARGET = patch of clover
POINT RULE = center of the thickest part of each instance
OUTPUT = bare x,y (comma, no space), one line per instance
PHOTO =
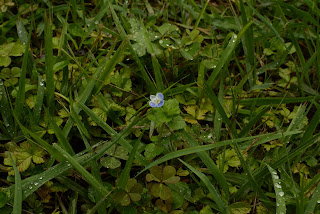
159,178
131,193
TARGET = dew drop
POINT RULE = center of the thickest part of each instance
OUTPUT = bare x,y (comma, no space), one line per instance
36,183
160,42
233,40
30,187
275,176
277,185
318,201
281,194
41,178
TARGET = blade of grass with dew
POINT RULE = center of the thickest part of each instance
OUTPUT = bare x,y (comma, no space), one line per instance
6,111
104,69
21,30
113,133
91,180
226,54
217,198
49,62
125,174
123,36
20,100
207,160
280,200
39,100
32,183
313,201
202,148
17,204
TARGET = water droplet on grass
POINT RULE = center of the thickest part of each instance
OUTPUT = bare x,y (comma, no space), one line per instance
277,185
160,42
281,194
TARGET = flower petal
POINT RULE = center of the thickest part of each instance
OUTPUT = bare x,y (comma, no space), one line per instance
153,98
153,104
160,96
160,103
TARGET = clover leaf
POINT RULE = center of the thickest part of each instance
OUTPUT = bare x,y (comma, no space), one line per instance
162,176
24,155
10,49
115,153
132,192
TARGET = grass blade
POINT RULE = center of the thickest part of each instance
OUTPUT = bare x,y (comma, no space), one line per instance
6,111
17,204
313,201
49,62
22,81
96,184
226,54
280,200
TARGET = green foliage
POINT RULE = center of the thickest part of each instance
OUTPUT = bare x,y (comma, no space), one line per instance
169,114
162,176
8,50
132,192
238,131
24,156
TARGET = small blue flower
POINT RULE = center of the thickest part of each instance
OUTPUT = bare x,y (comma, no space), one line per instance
156,100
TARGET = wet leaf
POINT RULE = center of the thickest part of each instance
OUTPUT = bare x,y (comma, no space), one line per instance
110,162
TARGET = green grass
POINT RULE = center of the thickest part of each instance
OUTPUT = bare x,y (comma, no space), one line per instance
238,131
